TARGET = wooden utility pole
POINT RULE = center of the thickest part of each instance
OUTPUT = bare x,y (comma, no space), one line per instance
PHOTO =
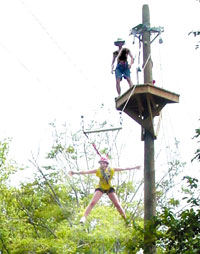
149,168
142,103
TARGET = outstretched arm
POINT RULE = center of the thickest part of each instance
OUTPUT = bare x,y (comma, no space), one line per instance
125,169
71,173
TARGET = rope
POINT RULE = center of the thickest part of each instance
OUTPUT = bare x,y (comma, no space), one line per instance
133,89
93,144
104,130
113,142
138,68
144,66
116,60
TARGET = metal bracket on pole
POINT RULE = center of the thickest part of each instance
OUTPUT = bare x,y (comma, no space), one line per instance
138,30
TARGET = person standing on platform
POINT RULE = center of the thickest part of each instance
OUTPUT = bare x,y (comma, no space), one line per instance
122,66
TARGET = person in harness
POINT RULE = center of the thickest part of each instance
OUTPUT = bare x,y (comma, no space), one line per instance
122,66
105,175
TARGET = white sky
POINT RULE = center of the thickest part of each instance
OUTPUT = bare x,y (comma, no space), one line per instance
55,58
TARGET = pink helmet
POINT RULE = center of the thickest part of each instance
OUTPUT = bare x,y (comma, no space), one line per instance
104,160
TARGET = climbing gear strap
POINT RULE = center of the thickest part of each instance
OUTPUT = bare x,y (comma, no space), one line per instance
105,175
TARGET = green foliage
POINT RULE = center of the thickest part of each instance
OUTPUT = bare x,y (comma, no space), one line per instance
180,232
168,181
42,215
4,147
7,168
197,153
105,232
170,231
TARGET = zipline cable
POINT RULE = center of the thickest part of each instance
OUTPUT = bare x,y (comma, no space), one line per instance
60,47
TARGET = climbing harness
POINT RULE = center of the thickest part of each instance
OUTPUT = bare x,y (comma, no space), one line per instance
106,175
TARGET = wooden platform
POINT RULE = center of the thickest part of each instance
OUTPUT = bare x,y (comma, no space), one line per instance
145,103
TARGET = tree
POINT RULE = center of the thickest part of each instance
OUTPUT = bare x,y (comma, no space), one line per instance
42,215
179,231
197,153
176,227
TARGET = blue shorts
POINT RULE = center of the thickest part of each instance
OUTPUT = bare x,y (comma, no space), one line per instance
122,70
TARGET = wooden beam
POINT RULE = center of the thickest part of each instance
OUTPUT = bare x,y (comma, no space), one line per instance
140,106
157,91
157,95
150,116
145,124
151,98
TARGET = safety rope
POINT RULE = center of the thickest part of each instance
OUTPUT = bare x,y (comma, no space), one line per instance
92,143
116,60
133,89
144,66
98,131
138,68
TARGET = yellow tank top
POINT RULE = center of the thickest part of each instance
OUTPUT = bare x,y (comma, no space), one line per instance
105,181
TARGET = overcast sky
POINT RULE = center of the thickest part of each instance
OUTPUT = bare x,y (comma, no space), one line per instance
55,58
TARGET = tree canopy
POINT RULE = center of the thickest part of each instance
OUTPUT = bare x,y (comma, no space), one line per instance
42,215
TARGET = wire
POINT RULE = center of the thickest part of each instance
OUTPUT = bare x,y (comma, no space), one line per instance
100,131
47,32
59,47
144,66
23,65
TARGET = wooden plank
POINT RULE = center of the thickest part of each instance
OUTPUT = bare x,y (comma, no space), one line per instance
160,93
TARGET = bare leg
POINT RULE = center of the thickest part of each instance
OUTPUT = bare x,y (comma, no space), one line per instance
118,86
113,197
129,82
97,195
